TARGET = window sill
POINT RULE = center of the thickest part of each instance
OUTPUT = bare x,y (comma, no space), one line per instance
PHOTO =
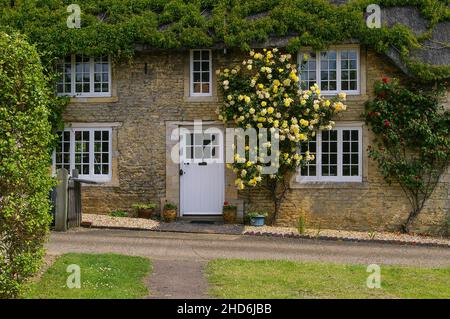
350,97
200,99
102,183
328,185
99,99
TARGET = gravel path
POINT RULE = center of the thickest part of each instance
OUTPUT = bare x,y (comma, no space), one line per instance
178,279
183,226
201,247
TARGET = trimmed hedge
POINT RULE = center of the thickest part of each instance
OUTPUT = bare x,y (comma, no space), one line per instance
25,179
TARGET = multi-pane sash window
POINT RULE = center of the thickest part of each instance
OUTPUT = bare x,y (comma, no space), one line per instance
333,70
87,150
201,76
84,76
337,156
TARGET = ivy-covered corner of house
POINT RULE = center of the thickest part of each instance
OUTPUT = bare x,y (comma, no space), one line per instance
114,27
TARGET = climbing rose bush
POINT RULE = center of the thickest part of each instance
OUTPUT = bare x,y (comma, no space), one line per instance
264,92
412,145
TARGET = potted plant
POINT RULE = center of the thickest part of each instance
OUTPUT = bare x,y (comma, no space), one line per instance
170,212
256,218
144,210
229,213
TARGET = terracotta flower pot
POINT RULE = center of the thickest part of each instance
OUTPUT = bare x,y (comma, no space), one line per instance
169,215
229,215
145,212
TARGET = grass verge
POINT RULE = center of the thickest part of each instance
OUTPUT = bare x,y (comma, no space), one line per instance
102,276
286,279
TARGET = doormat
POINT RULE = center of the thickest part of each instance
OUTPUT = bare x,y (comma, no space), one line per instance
202,222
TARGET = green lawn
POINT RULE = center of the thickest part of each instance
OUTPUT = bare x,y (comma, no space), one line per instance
285,279
102,276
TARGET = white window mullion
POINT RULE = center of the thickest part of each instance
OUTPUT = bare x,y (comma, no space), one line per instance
318,79
91,153
338,72
319,156
72,150
91,75
360,150
110,153
339,152
109,75
73,74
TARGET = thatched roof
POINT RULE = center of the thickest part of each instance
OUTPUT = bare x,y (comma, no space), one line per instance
435,51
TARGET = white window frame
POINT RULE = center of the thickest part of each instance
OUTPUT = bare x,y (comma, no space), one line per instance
191,73
338,69
91,80
318,158
91,175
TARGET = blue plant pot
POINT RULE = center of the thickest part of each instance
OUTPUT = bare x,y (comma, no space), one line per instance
257,221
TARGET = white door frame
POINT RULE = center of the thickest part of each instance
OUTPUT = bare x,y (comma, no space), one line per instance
222,168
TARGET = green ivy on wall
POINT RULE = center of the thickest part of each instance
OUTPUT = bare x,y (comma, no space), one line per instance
115,26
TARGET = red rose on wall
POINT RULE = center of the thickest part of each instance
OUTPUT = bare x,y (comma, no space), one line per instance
385,80
226,203
387,123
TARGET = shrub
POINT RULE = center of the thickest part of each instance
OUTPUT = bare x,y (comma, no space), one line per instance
301,224
25,180
144,206
251,215
118,213
170,206
227,205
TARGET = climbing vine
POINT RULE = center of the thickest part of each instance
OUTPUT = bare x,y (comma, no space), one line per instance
115,26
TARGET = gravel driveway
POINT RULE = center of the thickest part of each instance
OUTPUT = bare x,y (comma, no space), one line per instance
202,247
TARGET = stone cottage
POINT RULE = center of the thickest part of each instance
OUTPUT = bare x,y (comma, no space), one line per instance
121,119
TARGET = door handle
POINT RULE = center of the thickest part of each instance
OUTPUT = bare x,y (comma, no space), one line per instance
181,172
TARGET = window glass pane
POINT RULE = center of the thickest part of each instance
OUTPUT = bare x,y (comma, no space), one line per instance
328,68
201,72
329,153
308,71
82,74
64,70
310,168
349,70
62,153
350,152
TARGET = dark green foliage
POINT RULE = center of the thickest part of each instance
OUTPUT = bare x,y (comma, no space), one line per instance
413,140
25,181
115,26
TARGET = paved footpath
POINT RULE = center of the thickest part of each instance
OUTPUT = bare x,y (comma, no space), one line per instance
179,259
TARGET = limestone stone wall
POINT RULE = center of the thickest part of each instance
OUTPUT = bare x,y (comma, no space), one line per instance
151,93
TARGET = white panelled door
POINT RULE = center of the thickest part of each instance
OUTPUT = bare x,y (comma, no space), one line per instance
201,172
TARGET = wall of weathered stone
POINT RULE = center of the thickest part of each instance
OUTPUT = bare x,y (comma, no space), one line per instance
144,102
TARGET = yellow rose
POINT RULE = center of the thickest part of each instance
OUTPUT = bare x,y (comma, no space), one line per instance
270,110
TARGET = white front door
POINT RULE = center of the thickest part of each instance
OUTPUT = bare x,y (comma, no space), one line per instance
201,172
